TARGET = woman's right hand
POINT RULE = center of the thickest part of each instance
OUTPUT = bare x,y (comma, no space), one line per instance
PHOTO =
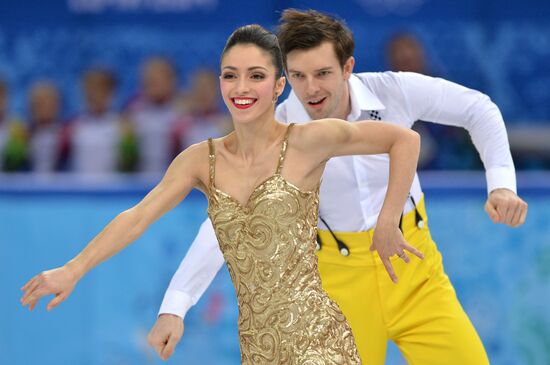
59,282
388,241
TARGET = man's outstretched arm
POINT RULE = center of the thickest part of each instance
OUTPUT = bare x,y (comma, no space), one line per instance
195,273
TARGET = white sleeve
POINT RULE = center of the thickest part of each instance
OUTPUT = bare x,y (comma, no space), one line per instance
195,273
444,102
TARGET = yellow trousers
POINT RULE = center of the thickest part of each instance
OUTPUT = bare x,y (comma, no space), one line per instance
420,313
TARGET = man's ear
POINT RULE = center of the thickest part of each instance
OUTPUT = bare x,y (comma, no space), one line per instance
348,67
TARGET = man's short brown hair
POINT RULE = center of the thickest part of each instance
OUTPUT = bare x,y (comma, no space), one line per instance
303,30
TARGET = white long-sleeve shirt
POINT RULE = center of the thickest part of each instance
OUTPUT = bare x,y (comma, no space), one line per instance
354,187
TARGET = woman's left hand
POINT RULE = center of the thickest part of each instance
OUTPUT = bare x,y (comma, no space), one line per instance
389,242
59,282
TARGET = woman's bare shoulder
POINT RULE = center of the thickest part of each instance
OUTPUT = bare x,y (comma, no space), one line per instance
192,161
197,155
195,152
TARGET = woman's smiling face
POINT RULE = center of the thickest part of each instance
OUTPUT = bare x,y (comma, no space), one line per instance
249,82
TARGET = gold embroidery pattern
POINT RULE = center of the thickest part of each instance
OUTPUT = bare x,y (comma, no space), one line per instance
285,317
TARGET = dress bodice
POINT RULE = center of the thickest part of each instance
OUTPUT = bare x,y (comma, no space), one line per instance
269,247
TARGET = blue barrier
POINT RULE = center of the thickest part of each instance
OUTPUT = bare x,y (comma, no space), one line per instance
501,275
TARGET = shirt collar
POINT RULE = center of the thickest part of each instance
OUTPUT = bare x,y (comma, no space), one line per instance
362,99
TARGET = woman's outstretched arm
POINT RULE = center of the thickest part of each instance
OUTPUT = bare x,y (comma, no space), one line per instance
186,172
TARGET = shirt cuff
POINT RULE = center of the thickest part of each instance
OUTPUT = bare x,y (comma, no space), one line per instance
175,302
501,177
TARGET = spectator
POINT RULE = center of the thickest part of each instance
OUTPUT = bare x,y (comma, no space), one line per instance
154,114
13,137
443,147
45,127
405,53
203,117
3,115
92,141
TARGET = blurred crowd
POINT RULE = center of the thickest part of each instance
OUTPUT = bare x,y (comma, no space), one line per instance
160,120
149,131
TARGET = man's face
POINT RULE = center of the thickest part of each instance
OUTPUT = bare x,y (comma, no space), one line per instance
320,82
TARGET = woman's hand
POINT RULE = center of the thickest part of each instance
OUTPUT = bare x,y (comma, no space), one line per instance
389,241
59,282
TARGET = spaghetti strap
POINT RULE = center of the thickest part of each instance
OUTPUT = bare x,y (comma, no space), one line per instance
283,149
212,158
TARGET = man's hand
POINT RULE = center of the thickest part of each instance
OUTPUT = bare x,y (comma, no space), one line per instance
504,206
165,335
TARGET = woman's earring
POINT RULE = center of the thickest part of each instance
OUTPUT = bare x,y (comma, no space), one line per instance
275,98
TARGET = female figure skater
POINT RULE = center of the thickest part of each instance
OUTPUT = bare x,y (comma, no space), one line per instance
264,210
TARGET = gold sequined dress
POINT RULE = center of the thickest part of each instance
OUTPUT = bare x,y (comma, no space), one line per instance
285,317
